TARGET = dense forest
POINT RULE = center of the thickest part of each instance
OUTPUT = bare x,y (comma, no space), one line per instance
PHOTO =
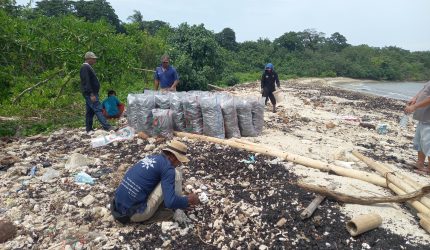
42,48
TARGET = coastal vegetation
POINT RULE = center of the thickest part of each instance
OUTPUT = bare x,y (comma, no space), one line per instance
42,48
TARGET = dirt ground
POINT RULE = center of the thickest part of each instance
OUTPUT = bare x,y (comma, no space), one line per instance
253,204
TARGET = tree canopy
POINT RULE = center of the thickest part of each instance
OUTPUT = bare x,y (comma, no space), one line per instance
52,38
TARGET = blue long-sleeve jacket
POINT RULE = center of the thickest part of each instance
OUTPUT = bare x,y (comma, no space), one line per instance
141,179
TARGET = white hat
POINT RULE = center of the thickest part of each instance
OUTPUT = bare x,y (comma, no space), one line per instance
90,55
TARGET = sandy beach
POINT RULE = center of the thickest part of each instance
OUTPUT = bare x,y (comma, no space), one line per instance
247,201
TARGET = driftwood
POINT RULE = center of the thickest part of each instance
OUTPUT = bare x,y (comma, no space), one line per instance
216,87
363,200
147,70
36,85
307,212
66,79
403,182
312,207
305,161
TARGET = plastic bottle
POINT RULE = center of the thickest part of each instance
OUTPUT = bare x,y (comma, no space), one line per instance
404,121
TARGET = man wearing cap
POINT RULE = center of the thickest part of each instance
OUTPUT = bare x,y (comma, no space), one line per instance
90,87
268,80
148,183
165,77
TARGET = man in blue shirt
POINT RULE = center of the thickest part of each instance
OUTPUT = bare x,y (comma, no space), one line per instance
150,182
165,77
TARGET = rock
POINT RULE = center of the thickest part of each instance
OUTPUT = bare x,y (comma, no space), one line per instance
77,160
180,216
245,184
166,243
88,200
149,147
281,222
7,230
218,223
330,125
142,135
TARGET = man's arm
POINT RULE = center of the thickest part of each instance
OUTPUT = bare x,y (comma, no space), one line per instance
277,80
175,83
176,77
156,79
156,84
171,200
424,103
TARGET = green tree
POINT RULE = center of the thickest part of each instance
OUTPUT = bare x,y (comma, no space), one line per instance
196,55
337,42
227,39
96,10
137,17
54,7
292,41
312,39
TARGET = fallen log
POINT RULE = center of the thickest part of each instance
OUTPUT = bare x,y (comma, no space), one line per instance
36,85
405,184
305,161
147,70
425,217
216,87
363,200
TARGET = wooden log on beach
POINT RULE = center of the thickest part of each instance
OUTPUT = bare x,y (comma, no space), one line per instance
305,161
405,184
364,200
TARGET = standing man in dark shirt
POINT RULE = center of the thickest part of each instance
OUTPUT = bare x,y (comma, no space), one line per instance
268,80
165,77
90,87
150,182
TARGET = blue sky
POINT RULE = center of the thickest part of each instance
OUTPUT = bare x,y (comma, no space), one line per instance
377,23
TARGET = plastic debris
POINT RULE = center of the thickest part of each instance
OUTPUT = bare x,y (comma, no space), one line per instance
404,121
33,171
84,178
123,134
250,161
382,129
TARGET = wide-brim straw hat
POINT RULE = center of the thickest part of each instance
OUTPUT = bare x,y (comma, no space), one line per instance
178,149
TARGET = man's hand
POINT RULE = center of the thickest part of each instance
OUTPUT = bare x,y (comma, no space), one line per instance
93,98
412,101
262,91
410,108
193,199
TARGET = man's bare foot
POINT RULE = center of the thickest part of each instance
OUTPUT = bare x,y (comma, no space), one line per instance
422,170
419,165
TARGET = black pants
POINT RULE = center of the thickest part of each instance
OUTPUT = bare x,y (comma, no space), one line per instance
269,95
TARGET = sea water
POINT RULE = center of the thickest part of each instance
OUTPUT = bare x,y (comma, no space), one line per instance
396,90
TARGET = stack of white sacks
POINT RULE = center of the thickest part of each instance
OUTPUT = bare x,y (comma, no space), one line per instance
219,115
